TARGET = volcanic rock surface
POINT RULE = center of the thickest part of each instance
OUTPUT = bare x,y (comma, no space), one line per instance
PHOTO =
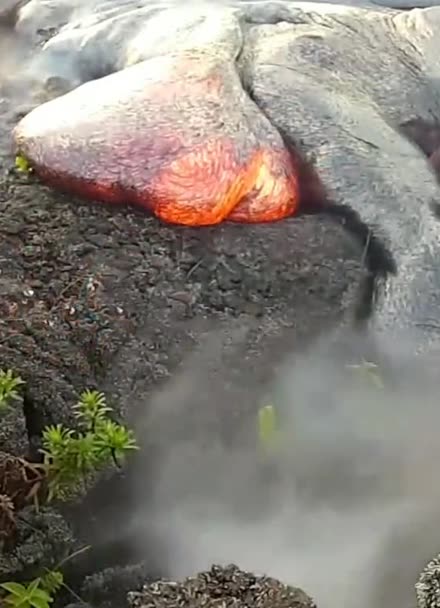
221,586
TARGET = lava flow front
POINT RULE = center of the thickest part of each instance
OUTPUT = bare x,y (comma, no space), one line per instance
176,136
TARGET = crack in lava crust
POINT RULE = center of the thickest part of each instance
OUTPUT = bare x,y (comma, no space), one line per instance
176,136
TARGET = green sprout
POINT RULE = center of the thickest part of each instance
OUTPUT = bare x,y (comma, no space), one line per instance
268,428
91,409
22,164
115,440
9,383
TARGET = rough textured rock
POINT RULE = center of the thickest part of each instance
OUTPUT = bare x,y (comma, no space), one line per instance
428,585
221,586
111,586
43,540
13,432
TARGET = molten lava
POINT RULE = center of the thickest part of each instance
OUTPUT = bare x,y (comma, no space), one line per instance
176,136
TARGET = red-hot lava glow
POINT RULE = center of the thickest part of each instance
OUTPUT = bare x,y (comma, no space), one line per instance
177,141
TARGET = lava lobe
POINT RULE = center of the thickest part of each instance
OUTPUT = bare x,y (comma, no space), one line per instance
177,136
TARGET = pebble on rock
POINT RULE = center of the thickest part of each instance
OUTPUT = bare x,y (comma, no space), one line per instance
221,587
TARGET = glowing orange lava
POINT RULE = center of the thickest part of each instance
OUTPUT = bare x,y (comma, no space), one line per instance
208,186
176,141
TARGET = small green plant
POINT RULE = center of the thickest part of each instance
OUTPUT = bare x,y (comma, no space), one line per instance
71,457
39,593
9,385
268,428
22,164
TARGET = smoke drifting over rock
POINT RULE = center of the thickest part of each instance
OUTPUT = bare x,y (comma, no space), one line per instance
347,509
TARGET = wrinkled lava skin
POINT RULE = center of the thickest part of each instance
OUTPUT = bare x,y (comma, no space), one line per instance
176,136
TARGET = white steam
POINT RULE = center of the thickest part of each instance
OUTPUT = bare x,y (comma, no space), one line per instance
346,508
